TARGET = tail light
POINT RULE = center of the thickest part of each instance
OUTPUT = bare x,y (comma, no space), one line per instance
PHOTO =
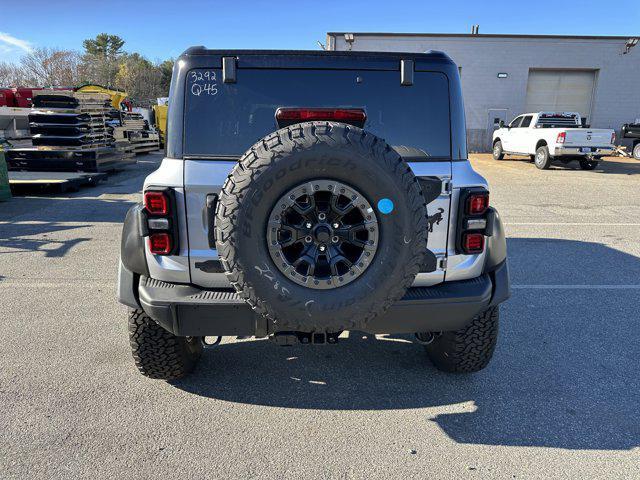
156,203
477,203
473,242
160,243
562,136
472,220
613,138
290,116
161,221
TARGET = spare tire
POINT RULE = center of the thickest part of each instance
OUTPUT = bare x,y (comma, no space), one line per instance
320,227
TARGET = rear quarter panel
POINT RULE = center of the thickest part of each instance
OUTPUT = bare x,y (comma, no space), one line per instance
171,268
460,266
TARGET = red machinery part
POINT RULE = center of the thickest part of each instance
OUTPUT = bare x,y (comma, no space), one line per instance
7,98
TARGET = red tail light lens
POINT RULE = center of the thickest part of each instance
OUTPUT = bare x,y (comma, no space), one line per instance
473,242
160,243
156,203
355,116
562,136
477,203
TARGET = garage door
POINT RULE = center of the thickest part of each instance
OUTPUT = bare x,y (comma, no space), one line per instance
560,91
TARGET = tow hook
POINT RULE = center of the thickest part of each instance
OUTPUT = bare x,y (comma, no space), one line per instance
208,342
425,338
305,338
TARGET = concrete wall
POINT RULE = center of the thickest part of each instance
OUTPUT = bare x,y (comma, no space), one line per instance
617,85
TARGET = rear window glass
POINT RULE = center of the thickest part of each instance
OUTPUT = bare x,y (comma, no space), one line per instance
227,118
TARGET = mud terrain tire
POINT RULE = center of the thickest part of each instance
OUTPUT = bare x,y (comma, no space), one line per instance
469,349
158,353
302,153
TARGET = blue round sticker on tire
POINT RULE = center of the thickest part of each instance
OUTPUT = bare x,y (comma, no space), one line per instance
385,206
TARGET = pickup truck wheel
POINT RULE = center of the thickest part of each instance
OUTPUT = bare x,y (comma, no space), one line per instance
543,159
588,164
158,353
469,349
308,220
498,153
636,151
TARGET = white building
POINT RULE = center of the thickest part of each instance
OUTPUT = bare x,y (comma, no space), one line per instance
505,75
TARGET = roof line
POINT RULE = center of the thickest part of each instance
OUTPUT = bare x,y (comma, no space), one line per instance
198,50
483,35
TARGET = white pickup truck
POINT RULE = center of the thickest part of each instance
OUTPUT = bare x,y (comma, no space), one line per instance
546,136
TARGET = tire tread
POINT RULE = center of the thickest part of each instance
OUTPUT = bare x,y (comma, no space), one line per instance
159,354
469,349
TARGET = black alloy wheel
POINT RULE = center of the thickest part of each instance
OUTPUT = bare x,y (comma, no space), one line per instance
322,234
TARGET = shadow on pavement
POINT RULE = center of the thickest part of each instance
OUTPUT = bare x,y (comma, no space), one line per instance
24,218
50,248
60,215
564,374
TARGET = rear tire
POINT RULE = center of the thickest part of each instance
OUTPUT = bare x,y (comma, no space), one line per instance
588,164
498,153
543,159
636,151
469,349
158,353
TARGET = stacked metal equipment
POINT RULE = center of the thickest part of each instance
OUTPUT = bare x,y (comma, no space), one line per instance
70,119
70,132
134,130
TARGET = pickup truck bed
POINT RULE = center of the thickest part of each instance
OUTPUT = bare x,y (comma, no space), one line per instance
546,136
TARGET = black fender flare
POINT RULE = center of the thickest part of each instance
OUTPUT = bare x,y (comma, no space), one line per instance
134,231
496,241
496,258
133,262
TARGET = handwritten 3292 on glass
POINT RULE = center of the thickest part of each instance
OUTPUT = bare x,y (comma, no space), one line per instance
203,82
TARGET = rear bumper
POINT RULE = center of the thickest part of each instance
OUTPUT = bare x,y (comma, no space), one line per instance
577,151
186,310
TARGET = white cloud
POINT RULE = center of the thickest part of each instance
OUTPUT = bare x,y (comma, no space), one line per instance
10,42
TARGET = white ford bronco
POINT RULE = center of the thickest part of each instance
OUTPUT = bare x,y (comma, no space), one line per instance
546,136
304,194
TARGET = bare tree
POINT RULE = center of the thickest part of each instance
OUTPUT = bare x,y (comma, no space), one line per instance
50,66
10,75
103,63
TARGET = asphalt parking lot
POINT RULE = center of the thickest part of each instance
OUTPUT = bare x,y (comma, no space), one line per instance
560,398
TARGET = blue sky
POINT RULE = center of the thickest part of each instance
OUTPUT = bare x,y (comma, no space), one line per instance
161,29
